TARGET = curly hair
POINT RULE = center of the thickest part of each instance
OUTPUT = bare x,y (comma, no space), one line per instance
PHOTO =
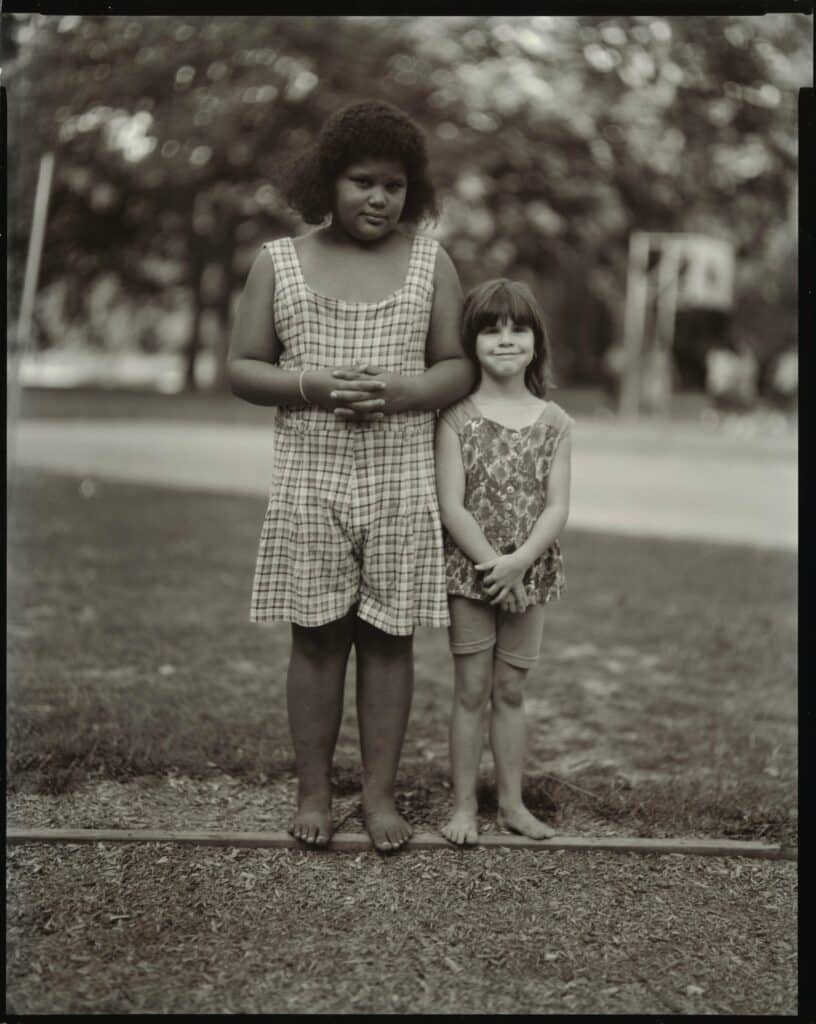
371,129
492,301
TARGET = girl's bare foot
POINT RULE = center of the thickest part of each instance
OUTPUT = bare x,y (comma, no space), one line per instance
462,828
386,827
312,823
519,819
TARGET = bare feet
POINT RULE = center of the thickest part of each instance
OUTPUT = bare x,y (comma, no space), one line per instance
519,819
387,828
462,828
312,823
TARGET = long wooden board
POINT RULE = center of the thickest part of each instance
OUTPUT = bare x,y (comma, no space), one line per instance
349,841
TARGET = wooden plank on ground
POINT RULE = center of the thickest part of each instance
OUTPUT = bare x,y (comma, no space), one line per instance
348,841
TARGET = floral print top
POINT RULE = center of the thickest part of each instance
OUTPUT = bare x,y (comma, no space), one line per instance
506,473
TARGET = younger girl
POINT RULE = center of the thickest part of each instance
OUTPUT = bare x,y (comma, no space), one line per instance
352,332
503,480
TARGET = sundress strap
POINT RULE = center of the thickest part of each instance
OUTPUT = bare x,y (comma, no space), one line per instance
422,264
285,262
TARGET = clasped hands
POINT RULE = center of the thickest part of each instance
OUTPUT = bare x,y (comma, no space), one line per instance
357,392
504,580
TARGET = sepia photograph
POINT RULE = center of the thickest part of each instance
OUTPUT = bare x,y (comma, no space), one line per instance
401,549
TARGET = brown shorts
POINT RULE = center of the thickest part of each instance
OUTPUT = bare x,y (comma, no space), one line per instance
478,626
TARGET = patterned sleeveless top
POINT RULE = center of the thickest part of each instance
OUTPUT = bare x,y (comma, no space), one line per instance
506,473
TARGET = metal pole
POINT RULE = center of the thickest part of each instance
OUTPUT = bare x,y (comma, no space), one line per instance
666,318
32,271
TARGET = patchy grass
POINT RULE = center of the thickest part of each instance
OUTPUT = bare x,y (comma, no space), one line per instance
664,702
164,929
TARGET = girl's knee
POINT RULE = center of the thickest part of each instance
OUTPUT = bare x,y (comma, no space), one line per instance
473,679
508,684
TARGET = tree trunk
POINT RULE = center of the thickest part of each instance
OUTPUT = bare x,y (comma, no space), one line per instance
193,346
223,309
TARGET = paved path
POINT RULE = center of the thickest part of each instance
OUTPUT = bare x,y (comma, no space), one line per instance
649,482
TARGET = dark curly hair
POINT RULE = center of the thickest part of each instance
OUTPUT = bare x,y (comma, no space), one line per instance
360,131
492,301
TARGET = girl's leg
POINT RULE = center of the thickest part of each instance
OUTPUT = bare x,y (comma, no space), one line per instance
472,678
385,686
314,693
507,738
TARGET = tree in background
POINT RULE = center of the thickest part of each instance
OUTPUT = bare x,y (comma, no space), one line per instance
552,138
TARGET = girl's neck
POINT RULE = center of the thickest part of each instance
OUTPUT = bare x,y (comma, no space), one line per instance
337,235
508,389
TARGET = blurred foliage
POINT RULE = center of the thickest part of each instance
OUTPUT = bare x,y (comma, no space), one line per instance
551,139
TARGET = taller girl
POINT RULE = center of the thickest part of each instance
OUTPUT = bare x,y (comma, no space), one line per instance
352,331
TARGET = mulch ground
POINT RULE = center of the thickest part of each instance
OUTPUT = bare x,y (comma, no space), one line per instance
162,929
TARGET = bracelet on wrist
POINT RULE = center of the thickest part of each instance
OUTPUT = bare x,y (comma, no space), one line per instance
300,388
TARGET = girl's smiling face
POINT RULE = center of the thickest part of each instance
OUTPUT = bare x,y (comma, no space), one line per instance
506,348
369,198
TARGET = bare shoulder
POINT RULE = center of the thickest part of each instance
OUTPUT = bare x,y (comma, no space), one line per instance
262,272
444,270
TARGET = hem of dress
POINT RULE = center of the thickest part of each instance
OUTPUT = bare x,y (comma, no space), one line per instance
420,620
306,621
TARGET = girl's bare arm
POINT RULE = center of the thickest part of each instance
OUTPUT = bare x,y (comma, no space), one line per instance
450,490
556,512
254,345
451,375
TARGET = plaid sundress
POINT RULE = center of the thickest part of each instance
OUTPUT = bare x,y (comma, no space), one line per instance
353,516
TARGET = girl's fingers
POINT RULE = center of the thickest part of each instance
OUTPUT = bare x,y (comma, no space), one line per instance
365,405
491,584
351,414
485,565
502,595
348,372
348,394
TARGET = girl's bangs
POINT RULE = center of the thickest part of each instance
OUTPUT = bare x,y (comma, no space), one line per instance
503,303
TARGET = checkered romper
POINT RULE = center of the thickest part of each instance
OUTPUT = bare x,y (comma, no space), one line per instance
353,515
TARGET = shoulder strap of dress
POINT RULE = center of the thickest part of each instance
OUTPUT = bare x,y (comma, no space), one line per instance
559,419
456,416
284,258
423,260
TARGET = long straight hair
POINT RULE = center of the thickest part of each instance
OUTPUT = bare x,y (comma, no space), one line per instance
493,301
